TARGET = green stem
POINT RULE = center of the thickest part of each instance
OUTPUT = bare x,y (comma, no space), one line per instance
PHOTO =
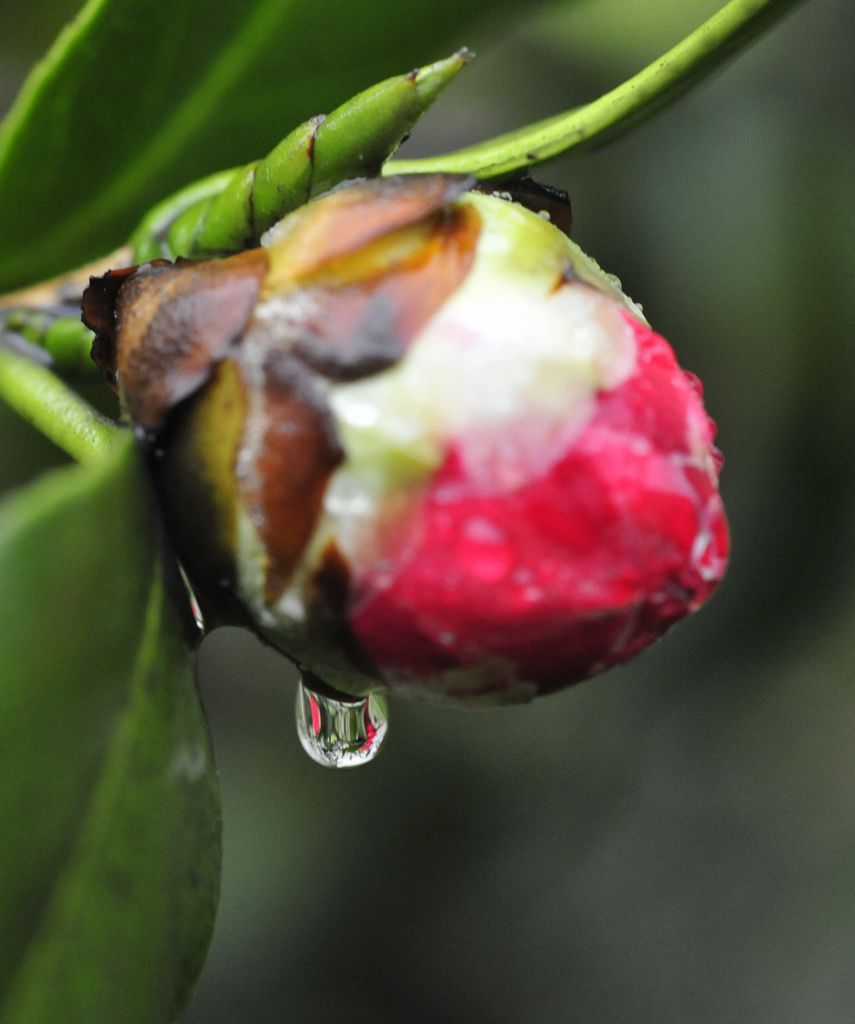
54,409
660,82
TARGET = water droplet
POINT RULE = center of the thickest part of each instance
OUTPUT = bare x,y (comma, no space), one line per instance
337,730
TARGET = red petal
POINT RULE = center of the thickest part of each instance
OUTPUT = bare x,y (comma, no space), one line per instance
574,571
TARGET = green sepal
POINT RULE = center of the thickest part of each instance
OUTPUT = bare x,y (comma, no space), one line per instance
226,223
359,136
227,213
183,232
283,180
149,238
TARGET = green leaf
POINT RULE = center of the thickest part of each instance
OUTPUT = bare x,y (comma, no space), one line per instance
133,102
109,863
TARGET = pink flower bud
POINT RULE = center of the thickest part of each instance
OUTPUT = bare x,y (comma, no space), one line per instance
422,441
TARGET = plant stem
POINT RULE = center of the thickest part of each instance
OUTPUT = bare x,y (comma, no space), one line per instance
54,409
656,85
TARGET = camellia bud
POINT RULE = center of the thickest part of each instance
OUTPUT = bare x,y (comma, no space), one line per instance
422,441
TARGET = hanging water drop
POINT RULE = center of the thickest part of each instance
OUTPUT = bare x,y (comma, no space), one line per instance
337,730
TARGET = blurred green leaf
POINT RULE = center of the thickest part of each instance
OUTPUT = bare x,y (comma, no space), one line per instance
131,103
109,863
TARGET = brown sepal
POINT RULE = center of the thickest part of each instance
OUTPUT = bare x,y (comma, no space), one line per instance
290,463
361,323
534,196
99,315
328,599
355,214
174,323
162,327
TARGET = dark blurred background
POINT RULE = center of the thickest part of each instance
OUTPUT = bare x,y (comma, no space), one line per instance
674,841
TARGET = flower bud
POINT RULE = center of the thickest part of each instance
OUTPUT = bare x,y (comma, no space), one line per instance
422,441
